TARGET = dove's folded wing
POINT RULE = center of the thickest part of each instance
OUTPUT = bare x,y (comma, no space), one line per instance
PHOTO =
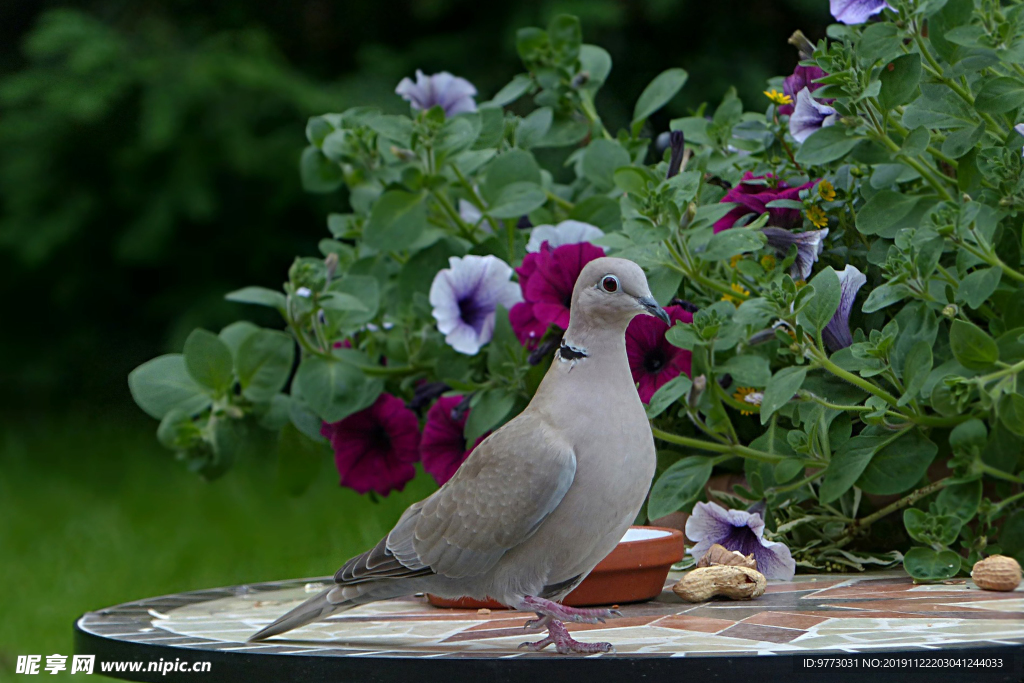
495,501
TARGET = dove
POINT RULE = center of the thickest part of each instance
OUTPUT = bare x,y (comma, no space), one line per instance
539,502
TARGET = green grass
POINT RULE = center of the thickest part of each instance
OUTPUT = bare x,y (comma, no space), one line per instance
94,514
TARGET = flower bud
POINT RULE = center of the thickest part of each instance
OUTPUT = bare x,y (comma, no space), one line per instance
804,46
331,264
950,311
700,383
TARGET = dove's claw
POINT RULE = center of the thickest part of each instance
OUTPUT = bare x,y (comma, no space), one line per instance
536,625
559,636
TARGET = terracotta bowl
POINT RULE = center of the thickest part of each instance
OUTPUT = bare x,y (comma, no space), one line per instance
634,572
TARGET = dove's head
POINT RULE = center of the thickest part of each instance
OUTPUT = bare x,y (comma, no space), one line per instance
610,292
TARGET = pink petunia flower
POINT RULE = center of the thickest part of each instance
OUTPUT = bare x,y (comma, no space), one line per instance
652,359
443,446
375,449
547,278
752,195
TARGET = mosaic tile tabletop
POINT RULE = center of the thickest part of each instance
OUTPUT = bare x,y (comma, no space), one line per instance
812,614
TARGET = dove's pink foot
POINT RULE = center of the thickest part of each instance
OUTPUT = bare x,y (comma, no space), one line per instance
547,608
564,643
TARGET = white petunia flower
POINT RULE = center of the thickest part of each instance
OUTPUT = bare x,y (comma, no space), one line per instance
566,232
465,297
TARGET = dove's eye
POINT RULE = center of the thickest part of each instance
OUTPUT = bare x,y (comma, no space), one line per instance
610,283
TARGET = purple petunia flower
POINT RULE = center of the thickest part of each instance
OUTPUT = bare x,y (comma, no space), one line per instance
836,334
465,297
738,530
802,77
856,11
809,245
566,232
451,93
809,116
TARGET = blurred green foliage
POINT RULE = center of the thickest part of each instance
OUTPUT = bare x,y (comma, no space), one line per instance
145,149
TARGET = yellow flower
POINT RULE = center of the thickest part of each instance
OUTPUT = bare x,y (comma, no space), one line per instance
749,396
777,97
768,262
816,216
734,260
739,289
826,191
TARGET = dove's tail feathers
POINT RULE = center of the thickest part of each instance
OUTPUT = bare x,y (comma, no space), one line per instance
314,609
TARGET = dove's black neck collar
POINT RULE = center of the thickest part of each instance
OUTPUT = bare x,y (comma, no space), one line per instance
568,352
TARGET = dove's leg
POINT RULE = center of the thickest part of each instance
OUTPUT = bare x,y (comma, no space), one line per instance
564,643
551,615
547,608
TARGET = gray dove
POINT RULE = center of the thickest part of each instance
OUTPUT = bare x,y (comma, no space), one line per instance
540,501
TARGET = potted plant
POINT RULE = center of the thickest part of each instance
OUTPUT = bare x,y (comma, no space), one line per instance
841,262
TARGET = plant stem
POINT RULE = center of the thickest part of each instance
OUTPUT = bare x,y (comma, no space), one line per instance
732,449
822,360
468,231
905,501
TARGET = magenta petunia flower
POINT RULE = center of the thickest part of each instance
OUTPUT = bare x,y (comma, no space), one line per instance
802,77
547,278
742,531
374,450
753,193
652,359
443,446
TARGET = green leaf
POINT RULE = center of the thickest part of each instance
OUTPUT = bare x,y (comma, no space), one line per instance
261,296
938,108
961,141
339,301
487,410
208,360
514,166
979,285
234,334
679,486
319,174
1011,535
334,389
972,346
457,134
885,295
658,93
780,389
299,459
396,220
597,63
512,91
960,500
533,128
899,80
566,36
916,368
1000,95
931,529
880,40
925,564
825,145
898,466
728,243
366,288
883,212
163,384
747,370
822,306
848,463
601,159
631,179
787,469
667,394
1011,412
264,363
517,199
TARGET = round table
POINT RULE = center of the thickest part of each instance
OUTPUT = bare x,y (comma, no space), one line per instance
877,626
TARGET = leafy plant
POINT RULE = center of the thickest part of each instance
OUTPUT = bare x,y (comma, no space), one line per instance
888,163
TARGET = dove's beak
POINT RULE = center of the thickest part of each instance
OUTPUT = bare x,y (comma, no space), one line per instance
651,306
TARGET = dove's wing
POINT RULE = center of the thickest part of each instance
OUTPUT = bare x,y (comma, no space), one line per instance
495,501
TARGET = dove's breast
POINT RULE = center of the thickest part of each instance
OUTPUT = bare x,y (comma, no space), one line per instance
615,462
